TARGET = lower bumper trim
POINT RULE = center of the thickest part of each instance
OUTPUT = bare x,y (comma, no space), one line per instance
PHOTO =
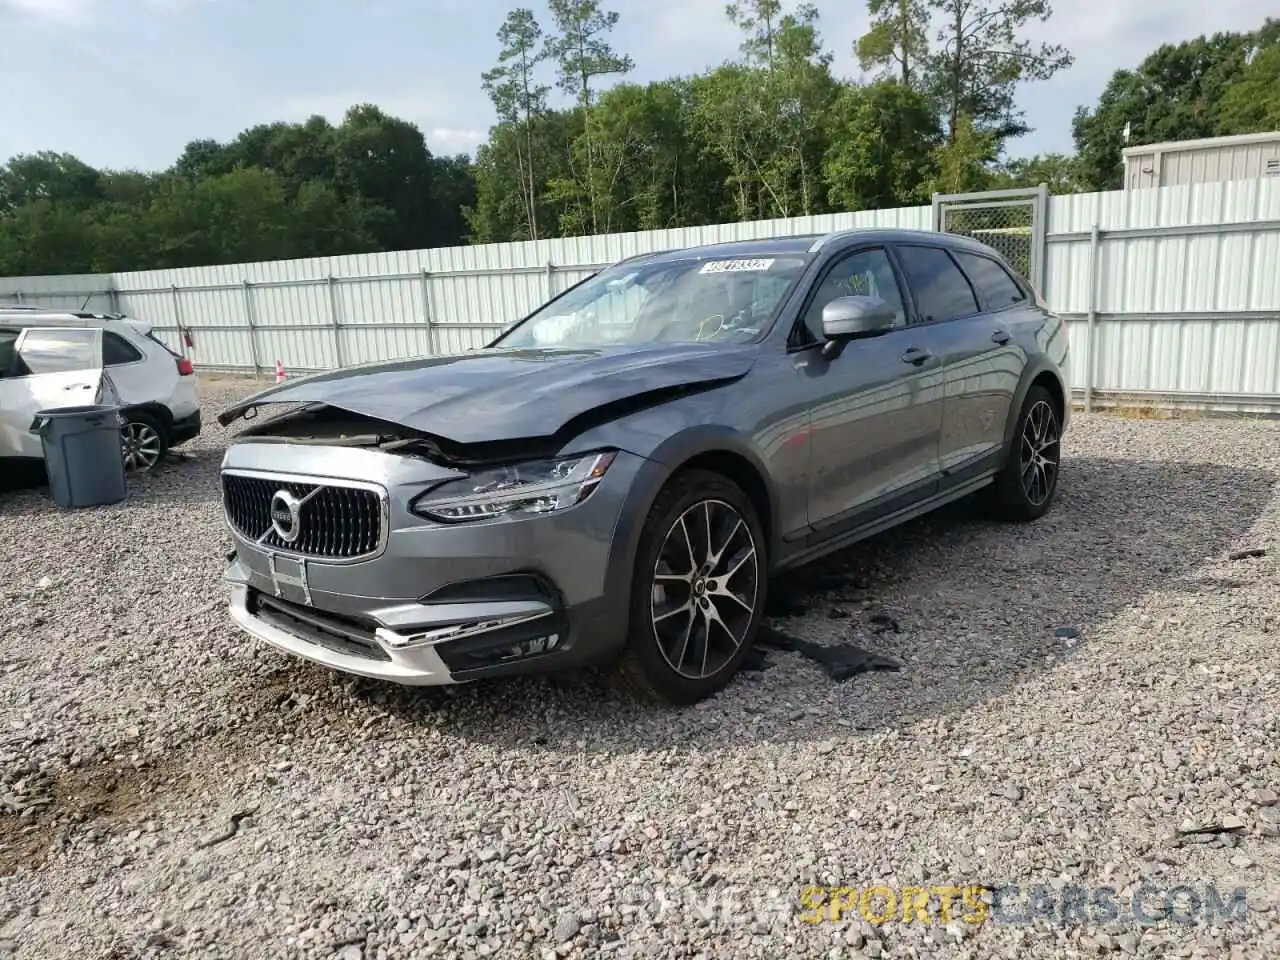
415,666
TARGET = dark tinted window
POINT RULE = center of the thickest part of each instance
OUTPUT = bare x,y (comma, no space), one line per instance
116,350
8,351
941,290
996,288
866,273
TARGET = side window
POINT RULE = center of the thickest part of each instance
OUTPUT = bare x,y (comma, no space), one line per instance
941,290
8,353
994,285
865,273
117,350
58,351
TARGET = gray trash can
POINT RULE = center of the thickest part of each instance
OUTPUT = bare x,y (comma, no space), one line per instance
83,454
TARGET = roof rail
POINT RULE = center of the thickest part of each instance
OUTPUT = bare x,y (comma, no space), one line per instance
833,235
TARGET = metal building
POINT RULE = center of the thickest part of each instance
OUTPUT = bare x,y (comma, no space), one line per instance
1247,156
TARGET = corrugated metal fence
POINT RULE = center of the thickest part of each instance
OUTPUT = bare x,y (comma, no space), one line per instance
1173,294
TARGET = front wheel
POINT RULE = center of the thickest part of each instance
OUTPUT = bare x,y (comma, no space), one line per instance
698,590
1025,487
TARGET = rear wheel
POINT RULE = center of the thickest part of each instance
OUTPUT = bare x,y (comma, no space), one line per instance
1025,487
145,441
698,590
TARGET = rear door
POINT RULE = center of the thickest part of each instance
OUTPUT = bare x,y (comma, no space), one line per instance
1009,316
130,372
976,359
51,367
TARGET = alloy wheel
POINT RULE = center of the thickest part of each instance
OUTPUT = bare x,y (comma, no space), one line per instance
1041,452
705,588
141,447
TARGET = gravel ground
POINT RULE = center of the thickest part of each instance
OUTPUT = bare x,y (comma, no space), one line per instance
1077,696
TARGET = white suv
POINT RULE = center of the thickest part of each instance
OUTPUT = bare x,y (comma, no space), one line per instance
52,358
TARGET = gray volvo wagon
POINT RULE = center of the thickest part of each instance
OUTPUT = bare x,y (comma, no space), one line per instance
615,478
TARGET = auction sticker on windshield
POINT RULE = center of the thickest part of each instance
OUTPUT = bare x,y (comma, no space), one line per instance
736,266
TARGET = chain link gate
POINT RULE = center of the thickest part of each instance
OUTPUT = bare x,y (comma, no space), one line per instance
1012,222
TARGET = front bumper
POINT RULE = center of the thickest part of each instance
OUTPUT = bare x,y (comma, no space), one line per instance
417,667
444,603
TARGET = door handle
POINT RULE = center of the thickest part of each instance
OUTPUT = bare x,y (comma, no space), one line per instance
78,386
916,356
1000,337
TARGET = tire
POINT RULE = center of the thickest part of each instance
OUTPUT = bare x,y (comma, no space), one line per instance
145,440
1039,427
659,631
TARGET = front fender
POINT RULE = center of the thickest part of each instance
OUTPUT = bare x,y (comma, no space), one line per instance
661,463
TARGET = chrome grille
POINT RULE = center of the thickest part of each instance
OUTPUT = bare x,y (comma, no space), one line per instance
336,521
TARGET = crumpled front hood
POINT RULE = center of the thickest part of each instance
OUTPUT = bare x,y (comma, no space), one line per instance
496,395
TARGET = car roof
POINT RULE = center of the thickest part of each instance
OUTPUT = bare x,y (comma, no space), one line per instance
53,317
810,243
762,247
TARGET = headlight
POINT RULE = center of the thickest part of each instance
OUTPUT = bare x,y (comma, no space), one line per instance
539,486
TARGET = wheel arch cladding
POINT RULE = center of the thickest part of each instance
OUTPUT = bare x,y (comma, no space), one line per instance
1053,385
707,448
152,408
1040,375
735,467
730,453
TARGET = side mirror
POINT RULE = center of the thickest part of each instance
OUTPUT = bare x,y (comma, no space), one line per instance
852,318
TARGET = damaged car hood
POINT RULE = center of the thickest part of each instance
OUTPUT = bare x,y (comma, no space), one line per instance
495,395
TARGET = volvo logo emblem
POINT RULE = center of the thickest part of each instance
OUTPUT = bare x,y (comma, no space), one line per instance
286,510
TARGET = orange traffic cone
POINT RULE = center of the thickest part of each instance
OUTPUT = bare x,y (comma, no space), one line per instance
280,375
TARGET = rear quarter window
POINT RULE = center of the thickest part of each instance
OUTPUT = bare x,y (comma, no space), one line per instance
116,350
995,285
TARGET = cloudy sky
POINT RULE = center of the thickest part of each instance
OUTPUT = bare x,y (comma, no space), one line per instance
126,83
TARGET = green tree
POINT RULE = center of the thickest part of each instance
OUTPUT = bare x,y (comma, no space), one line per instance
1175,93
204,158
1252,104
45,237
385,161
656,173
59,178
582,54
897,42
519,99
1059,171
453,190
964,161
765,117
981,60
498,212
881,153
236,217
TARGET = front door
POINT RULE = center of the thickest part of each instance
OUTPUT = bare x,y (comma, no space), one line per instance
50,367
876,408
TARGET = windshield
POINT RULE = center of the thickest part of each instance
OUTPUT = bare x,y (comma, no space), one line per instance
729,301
